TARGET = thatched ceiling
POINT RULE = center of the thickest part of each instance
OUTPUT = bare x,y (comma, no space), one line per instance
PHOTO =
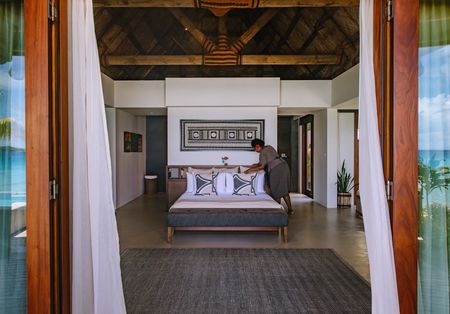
294,31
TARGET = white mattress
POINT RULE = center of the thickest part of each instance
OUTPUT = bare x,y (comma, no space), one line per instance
189,200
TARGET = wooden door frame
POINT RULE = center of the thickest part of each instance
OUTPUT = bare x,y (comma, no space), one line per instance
405,150
48,268
304,121
396,43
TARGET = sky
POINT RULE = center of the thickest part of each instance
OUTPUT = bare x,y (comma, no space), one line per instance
434,98
12,100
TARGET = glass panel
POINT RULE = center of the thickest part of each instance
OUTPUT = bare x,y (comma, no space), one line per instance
434,153
308,157
13,283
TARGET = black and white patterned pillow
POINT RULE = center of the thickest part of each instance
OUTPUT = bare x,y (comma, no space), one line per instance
205,184
244,184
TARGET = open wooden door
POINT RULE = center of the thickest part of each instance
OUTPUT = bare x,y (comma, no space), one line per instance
48,272
396,72
405,149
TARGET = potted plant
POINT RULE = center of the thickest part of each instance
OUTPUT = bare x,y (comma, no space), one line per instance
345,183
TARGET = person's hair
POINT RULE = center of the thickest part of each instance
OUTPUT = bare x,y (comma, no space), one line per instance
257,141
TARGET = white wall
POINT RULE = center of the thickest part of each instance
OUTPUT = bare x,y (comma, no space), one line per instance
245,92
309,94
176,157
222,92
325,157
346,86
346,141
139,94
108,90
111,125
130,166
236,98
320,157
332,157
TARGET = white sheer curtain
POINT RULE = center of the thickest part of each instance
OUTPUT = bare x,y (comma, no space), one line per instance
373,195
96,276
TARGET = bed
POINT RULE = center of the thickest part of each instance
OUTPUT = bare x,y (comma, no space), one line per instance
227,213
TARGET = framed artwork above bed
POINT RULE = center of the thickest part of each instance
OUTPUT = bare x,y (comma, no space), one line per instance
197,135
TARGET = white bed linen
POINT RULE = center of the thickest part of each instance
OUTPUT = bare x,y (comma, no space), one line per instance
190,200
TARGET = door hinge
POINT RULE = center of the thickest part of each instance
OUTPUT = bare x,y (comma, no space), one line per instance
51,11
390,10
390,190
53,189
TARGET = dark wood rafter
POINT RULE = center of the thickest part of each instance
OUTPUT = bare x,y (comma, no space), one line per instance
253,30
160,39
316,29
192,3
207,44
159,33
290,29
198,59
339,28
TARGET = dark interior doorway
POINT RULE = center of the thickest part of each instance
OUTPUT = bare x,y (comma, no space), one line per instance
288,146
157,149
307,154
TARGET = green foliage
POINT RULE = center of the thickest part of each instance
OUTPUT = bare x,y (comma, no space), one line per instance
5,128
345,181
432,177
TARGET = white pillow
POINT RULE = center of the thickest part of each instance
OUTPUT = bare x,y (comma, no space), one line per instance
229,170
244,184
260,180
220,183
200,170
190,182
224,184
204,184
229,183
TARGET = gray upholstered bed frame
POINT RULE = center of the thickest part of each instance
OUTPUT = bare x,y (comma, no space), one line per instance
223,219
227,219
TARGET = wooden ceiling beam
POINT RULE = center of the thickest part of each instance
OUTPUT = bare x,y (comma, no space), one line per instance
320,23
245,60
289,59
191,28
251,32
191,3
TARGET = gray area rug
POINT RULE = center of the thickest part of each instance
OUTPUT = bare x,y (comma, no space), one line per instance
241,281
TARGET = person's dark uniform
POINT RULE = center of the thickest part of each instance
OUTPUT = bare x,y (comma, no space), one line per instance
278,174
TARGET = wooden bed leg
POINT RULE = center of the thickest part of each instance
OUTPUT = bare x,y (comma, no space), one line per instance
170,232
279,231
285,231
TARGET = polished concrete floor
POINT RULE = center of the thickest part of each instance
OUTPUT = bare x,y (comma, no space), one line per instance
142,224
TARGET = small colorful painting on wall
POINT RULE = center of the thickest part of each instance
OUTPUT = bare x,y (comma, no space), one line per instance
132,142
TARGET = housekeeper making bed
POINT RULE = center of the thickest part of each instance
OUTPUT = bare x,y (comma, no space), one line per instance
279,176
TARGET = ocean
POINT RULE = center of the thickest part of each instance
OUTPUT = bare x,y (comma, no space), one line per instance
12,176
442,157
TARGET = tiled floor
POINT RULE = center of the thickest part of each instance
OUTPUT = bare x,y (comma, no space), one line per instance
142,225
